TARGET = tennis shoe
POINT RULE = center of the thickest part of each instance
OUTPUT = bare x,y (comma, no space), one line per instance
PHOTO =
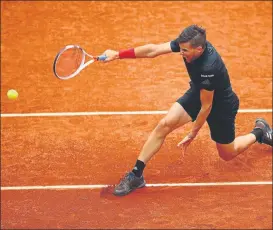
129,183
267,131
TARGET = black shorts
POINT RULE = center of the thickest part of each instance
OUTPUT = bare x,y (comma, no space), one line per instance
221,119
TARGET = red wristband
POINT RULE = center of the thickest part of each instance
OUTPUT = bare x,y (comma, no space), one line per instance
130,53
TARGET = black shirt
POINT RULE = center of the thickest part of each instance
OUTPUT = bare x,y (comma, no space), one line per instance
209,72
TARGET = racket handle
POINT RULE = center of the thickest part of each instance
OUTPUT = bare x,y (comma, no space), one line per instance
102,57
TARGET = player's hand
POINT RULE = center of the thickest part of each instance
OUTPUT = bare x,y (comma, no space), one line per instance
110,55
186,142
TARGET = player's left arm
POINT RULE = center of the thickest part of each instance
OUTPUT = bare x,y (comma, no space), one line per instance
206,98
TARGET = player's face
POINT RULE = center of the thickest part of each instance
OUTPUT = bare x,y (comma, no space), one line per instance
190,53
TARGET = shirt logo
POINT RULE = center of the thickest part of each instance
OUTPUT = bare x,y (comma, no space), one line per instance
207,75
206,82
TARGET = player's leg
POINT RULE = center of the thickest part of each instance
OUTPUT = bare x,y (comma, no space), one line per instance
181,112
176,117
227,151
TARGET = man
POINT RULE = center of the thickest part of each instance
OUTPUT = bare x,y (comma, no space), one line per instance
210,98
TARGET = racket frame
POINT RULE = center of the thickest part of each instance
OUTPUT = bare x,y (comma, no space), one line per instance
82,65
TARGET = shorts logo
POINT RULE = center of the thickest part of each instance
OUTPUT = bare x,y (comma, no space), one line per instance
207,75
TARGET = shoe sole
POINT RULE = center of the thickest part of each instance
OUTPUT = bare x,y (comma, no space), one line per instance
123,194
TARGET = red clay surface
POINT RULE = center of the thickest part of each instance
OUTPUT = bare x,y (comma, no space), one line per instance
100,149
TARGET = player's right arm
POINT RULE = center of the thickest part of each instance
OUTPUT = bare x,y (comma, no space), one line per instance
152,50
145,51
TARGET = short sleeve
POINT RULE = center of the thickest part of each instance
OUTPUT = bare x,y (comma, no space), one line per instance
175,46
208,79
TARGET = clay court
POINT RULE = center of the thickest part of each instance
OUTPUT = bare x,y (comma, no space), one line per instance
63,142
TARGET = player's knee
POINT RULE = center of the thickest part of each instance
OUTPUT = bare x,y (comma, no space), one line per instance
164,127
225,154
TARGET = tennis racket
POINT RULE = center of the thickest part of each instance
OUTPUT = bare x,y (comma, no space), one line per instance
70,61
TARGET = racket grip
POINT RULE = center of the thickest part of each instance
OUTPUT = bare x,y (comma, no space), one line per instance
102,57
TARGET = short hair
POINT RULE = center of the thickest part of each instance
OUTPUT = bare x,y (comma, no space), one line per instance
194,34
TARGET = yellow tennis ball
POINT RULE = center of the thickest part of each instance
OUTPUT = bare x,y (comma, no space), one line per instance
12,94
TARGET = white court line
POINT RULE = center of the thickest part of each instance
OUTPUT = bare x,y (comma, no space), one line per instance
98,186
111,113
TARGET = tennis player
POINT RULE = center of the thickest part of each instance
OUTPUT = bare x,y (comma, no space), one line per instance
210,98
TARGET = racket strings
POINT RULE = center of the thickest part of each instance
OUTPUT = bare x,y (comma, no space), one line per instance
69,62
78,58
